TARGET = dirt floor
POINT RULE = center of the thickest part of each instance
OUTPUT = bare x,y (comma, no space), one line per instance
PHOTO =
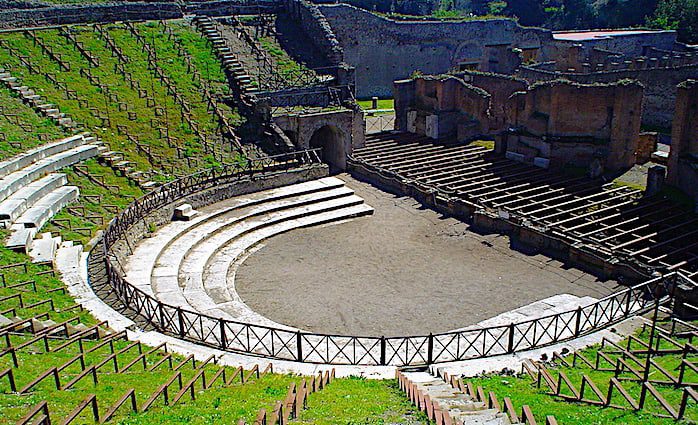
404,270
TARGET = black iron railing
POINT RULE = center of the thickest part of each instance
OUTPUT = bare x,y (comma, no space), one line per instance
247,338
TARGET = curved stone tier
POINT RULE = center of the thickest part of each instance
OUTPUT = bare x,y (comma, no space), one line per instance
186,264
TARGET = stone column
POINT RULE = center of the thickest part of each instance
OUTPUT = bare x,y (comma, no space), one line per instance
655,179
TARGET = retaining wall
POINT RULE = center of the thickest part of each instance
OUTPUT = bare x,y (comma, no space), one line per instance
385,50
122,11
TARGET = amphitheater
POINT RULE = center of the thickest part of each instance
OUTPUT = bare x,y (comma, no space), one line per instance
279,212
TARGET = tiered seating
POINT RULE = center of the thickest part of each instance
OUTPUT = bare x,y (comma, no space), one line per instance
31,192
30,97
605,219
188,263
450,401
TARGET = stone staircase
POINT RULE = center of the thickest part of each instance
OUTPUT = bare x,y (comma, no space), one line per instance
234,69
36,101
114,159
449,401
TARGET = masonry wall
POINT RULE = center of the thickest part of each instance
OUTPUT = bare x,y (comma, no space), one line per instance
441,107
383,50
660,86
632,44
315,25
683,158
573,124
500,88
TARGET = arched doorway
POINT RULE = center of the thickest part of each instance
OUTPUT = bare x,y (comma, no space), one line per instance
330,139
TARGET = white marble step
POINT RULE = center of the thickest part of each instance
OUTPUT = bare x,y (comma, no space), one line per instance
197,257
16,180
44,249
20,238
69,255
149,249
26,158
193,295
168,247
218,281
26,197
188,266
48,206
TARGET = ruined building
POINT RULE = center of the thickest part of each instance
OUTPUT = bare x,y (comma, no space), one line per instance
553,124
560,123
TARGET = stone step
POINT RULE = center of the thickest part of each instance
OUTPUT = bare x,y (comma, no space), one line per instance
24,159
44,249
48,206
169,245
17,203
221,290
150,185
69,254
184,212
460,406
16,180
20,238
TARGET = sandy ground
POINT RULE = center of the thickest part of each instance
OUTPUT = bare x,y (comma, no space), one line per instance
404,270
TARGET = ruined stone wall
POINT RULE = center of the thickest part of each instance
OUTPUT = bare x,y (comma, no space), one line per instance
631,44
500,88
118,11
569,123
315,25
403,7
660,86
683,158
440,107
384,50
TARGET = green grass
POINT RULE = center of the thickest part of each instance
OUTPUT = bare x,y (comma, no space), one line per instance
192,154
523,391
367,104
96,199
487,144
211,406
20,126
360,401
284,64
44,284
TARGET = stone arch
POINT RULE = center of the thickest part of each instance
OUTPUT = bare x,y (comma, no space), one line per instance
467,53
332,141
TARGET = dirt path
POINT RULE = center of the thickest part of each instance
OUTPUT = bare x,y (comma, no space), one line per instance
404,270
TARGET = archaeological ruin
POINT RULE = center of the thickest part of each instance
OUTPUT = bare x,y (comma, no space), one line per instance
285,211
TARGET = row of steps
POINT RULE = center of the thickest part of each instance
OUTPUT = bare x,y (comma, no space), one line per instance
116,161
449,401
234,68
39,326
43,107
611,222
187,263
32,191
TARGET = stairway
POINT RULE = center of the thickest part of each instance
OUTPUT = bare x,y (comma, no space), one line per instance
450,401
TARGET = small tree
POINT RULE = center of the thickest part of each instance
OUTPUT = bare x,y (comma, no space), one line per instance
679,15
529,12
